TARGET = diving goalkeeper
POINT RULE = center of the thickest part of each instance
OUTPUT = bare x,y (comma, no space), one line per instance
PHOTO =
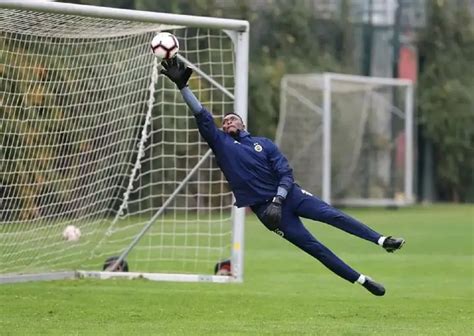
261,178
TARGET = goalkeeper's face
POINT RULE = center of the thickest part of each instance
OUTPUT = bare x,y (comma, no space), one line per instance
232,124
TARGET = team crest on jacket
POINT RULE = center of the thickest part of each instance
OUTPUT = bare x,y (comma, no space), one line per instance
257,147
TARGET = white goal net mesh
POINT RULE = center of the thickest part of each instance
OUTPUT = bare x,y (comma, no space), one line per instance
367,136
92,136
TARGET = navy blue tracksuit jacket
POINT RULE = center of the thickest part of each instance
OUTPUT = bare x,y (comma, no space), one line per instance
255,168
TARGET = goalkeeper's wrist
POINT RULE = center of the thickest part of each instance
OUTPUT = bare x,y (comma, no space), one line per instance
282,192
278,199
181,85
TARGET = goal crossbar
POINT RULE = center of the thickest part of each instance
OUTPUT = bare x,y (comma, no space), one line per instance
127,14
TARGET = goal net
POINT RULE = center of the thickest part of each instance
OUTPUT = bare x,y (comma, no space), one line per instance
92,136
349,138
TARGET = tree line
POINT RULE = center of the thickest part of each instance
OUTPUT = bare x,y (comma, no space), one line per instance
288,37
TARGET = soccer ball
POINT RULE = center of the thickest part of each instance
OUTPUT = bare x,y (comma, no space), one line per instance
71,233
165,45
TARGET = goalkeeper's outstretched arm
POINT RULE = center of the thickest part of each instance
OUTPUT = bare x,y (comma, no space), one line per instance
193,103
179,74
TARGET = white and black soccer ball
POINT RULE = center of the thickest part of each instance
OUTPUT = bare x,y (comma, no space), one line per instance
164,45
71,233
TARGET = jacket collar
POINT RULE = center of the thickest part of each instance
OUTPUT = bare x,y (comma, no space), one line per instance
243,134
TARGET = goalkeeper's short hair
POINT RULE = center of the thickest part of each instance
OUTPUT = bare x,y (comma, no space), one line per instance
233,113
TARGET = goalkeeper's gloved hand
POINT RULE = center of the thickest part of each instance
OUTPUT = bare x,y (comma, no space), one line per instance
176,71
271,217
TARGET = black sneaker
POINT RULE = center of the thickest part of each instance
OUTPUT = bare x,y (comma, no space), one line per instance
373,287
392,244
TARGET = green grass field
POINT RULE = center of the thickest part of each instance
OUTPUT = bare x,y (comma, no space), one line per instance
430,289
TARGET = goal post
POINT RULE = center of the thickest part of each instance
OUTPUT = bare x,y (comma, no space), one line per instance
349,138
93,136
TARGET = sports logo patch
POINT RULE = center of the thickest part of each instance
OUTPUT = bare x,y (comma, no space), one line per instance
257,147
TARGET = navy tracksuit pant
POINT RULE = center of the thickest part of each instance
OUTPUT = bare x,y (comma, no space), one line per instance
300,203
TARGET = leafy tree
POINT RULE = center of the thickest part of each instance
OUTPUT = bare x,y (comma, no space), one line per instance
287,39
446,101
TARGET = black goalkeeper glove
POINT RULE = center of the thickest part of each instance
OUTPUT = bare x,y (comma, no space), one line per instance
271,217
176,71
